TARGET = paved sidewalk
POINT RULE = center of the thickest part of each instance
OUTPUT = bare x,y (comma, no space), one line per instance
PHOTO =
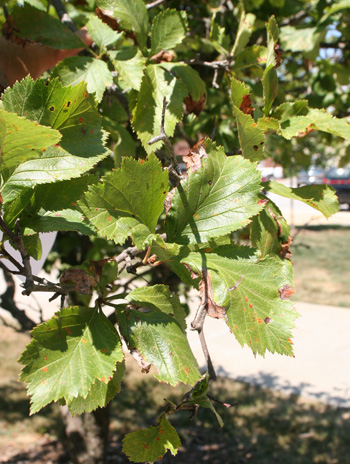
320,369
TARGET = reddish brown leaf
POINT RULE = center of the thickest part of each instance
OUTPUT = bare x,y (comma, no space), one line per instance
278,56
195,107
286,292
83,283
162,57
168,199
246,105
285,249
194,157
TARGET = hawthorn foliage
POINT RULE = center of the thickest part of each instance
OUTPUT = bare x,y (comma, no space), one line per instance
88,149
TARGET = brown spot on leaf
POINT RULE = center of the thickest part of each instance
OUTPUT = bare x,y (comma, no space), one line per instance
259,320
267,320
52,108
83,340
246,298
44,369
255,148
69,332
250,305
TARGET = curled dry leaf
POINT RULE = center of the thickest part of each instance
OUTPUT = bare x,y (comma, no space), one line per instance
162,57
195,107
142,363
207,297
306,132
97,266
194,157
83,283
286,292
285,249
168,199
206,293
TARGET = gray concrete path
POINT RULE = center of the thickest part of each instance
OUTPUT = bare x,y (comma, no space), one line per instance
320,369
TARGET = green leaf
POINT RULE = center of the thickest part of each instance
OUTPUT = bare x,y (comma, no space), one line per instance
302,39
159,297
101,33
169,29
156,84
218,37
71,110
55,165
272,37
129,197
238,90
268,124
33,246
149,445
67,354
22,140
270,86
269,230
251,137
250,56
258,313
190,78
160,340
93,71
320,197
131,15
100,393
245,29
217,199
39,26
130,64
62,220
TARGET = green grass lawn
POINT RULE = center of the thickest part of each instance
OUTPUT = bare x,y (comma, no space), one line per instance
321,258
265,427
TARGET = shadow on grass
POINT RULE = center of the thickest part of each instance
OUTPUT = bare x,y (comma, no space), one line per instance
265,428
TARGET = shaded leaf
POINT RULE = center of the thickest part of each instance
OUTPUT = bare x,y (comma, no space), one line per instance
250,56
159,297
67,354
161,341
218,198
39,26
152,443
190,78
269,231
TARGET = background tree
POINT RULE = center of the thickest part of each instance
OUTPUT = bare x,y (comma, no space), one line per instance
86,152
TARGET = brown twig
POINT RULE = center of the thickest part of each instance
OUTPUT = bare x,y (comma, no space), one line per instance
173,168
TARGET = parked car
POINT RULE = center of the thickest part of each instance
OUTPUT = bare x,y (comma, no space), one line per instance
339,178
312,175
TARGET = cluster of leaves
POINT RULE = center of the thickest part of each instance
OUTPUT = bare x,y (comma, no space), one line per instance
53,139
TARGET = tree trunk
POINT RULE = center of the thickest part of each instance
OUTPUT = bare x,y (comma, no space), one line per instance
86,436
